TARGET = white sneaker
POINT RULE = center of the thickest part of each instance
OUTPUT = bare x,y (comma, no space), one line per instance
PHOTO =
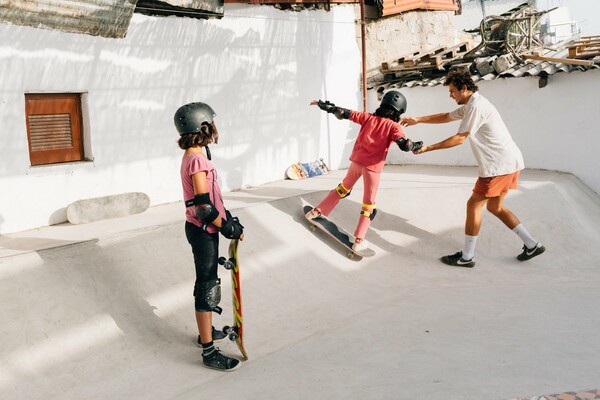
312,214
358,247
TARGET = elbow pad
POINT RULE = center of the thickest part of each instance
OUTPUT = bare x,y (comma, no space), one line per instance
342,113
205,209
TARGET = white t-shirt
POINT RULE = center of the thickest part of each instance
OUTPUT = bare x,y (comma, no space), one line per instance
494,149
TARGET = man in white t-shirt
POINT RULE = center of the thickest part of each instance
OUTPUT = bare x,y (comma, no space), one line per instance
499,159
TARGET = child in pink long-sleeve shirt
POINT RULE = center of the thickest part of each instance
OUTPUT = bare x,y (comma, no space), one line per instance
378,131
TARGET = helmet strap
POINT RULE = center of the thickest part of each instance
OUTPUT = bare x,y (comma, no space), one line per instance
208,153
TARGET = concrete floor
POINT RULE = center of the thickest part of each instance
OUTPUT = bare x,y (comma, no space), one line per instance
105,310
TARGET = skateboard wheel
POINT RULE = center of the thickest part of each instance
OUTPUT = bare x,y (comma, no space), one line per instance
228,264
351,255
233,336
226,329
312,228
222,260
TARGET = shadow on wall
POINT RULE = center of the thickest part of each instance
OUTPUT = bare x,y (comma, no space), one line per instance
253,72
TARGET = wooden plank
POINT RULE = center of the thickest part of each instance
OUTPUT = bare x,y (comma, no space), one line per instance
587,63
588,54
575,51
430,59
585,43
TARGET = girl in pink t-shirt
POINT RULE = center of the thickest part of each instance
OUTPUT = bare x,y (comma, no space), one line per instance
378,131
205,216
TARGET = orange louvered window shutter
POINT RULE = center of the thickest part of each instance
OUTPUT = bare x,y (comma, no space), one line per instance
54,127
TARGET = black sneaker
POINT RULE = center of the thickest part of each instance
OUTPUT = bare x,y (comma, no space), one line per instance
457,260
216,360
216,336
528,254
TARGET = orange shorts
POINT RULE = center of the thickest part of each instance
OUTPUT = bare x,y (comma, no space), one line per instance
496,185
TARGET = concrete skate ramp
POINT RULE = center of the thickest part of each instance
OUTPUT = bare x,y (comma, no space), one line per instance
112,317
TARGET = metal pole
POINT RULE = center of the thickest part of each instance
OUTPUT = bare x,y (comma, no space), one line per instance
363,35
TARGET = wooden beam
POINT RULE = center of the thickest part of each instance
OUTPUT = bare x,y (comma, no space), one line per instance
587,63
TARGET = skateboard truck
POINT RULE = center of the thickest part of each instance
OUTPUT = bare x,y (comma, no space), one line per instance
231,332
227,263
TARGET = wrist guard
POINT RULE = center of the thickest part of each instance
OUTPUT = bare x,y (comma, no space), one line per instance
340,113
231,228
406,144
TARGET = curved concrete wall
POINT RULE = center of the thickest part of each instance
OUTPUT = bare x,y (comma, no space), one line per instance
556,127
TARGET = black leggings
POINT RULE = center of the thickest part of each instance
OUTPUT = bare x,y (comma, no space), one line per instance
205,247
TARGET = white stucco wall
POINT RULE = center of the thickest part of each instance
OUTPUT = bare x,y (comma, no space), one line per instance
556,127
258,67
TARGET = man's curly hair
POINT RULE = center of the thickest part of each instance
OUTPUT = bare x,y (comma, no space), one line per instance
460,80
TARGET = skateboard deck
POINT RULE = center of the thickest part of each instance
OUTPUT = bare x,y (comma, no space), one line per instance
98,208
236,331
337,233
295,172
307,170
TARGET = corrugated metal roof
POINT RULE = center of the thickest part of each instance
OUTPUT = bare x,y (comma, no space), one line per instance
527,68
108,18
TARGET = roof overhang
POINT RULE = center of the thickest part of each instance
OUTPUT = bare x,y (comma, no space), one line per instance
107,18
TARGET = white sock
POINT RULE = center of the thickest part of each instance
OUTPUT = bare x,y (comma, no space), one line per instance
469,250
529,241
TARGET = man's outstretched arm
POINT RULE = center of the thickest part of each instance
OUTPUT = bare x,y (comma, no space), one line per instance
441,118
452,141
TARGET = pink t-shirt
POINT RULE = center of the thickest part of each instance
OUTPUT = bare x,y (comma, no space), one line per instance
191,165
374,139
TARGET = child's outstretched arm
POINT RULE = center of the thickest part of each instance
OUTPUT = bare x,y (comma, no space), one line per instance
340,113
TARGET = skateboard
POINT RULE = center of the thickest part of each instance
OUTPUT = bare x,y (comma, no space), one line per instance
337,233
95,209
307,170
235,332
295,172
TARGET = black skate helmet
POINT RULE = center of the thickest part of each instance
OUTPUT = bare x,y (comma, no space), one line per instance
190,117
395,100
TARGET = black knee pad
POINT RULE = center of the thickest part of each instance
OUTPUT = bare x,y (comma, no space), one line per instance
208,295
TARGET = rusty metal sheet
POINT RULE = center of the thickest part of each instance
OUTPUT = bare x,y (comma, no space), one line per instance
215,6
391,7
107,18
182,8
